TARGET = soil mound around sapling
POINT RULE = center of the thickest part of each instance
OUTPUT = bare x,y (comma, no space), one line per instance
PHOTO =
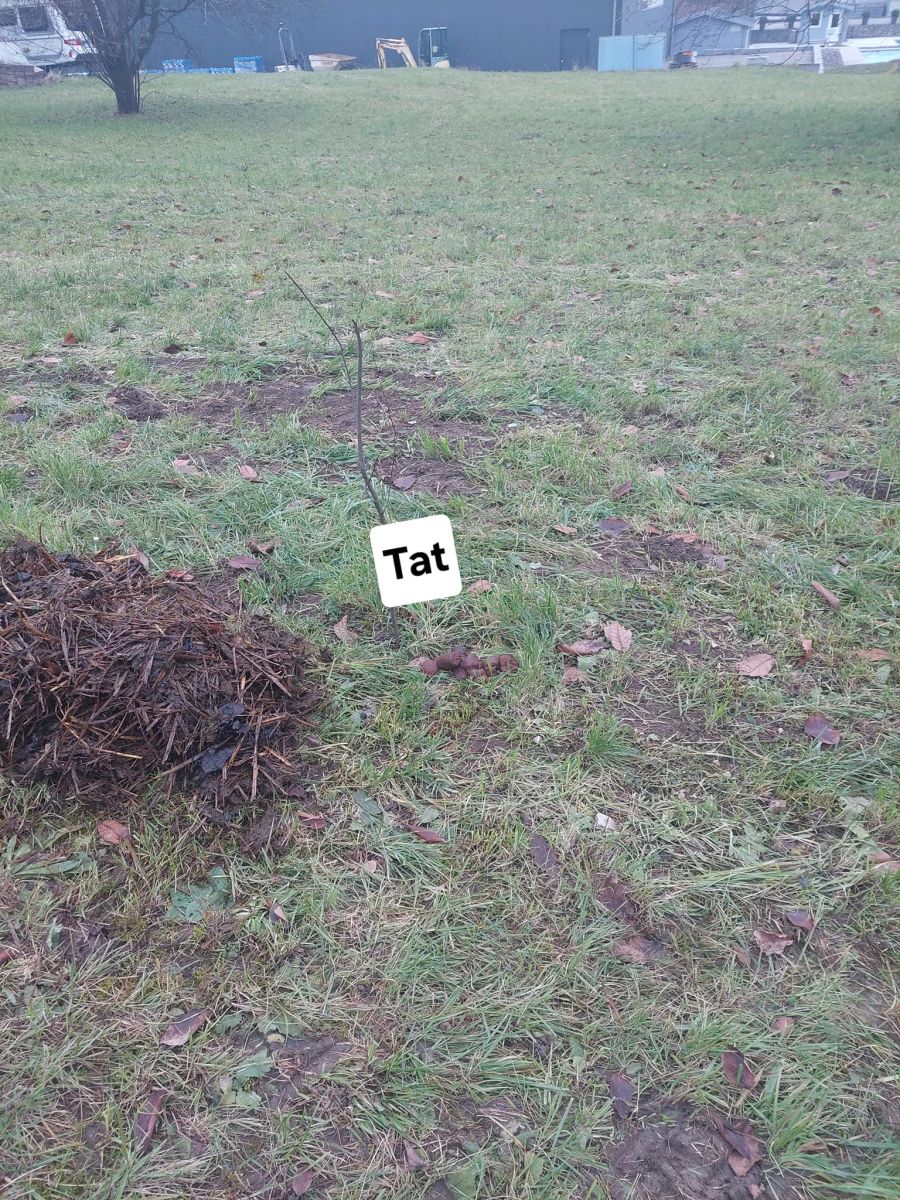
111,677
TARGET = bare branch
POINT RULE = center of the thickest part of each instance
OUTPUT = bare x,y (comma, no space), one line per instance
334,333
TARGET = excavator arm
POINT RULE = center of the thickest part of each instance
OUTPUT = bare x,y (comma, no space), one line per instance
399,46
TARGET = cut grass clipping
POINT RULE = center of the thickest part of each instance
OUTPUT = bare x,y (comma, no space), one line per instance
110,676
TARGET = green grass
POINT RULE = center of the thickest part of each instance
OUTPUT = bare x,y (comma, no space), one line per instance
677,271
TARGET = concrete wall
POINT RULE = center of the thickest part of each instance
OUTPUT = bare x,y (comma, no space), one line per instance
493,35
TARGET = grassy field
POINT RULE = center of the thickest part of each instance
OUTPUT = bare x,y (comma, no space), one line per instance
679,281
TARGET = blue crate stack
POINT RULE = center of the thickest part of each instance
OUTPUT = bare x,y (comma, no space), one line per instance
170,65
250,63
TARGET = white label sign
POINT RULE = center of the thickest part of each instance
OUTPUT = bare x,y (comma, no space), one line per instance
415,561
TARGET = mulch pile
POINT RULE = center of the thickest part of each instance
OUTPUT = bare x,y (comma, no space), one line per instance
111,677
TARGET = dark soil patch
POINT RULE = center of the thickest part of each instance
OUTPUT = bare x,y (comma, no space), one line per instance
389,417
648,710
300,1061
679,1155
79,937
627,554
35,371
874,484
711,640
254,403
438,476
111,677
136,404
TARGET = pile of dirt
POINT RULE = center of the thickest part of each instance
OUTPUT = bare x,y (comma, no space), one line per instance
111,677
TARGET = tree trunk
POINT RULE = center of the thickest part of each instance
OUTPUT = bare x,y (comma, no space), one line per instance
125,81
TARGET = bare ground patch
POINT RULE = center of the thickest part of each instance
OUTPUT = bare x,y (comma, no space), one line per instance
650,712
439,477
137,404
389,414
873,483
647,554
678,1154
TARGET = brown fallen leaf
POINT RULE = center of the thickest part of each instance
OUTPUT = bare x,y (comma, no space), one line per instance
145,1125
261,547
568,530
876,655
344,633
736,1070
806,647
480,586
113,833
622,490
801,920
7,954
248,473
614,525
681,491
638,949
782,1025
818,728
386,295
543,853
622,1091
742,955
611,893
179,575
582,647
413,1159
847,379
185,466
255,293
772,943
755,666
823,593
71,339
302,1182
244,562
419,339
738,1134
276,912
836,476
572,675
140,556
313,820
181,1029
425,835
875,310
402,482
738,1164
617,635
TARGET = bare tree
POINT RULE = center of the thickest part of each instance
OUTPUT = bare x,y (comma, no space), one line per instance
121,33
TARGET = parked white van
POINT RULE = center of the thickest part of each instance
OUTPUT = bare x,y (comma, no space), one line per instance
40,33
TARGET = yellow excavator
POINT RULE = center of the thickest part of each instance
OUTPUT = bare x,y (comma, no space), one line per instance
432,49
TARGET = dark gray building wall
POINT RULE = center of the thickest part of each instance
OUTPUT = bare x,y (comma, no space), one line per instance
491,35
